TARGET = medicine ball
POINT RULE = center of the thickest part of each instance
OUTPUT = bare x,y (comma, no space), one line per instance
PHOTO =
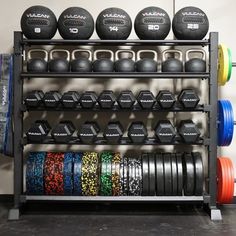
152,23
190,23
38,22
113,23
75,23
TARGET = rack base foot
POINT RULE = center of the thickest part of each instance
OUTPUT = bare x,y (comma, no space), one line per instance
14,214
216,214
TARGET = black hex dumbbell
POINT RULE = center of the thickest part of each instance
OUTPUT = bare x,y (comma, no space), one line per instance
34,98
63,131
70,99
88,132
146,99
88,99
38,131
52,99
189,131
165,131
137,132
113,132
188,98
106,99
165,99
126,99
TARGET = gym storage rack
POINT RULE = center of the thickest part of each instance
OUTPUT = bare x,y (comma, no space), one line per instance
210,195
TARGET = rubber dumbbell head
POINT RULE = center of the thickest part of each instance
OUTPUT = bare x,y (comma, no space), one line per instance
34,98
38,131
188,98
113,132
63,131
189,131
126,99
165,132
52,99
88,99
165,99
88,132
70,99
146,99
106,99
137,132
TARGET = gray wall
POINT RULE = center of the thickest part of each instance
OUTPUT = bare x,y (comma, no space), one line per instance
221,16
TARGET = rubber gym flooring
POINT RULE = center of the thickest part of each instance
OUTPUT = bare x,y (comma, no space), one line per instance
48,219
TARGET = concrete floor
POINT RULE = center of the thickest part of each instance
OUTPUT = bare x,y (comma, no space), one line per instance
116,220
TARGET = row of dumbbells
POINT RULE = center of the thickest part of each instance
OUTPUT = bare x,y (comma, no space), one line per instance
187,99
111,174
165,132
83,61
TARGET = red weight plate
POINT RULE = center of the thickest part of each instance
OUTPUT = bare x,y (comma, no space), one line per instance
225,174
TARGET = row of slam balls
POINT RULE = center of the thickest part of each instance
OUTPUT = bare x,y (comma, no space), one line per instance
151,23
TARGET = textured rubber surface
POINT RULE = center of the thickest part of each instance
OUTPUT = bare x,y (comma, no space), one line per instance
160,180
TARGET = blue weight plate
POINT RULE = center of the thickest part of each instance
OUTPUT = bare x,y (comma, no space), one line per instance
77,170
226,123
68,173
30,165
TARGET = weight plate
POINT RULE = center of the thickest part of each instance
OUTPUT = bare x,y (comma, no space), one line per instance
152,176
225,183
38,173
138,177
30,165
53,174
199,173
106,174
226,123
125,177
160,185
174,175
131,179
68,173
167,174
90,176
180,173
223,64
77,170
116,184
145,174
188,170
230,64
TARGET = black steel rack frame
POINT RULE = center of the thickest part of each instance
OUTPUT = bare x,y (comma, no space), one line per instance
208,198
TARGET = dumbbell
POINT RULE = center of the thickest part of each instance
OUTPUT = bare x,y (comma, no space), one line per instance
37,64
88,99
52,99
88,132
63,131
137,132
189,131
188,98
165,131
70,99
165,99
38,131
113,132
146,99
146,64
59,64
126,99
34,98
106,99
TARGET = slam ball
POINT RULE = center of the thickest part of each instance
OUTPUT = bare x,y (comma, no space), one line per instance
38,22
113,23
75,23
152,23
190,23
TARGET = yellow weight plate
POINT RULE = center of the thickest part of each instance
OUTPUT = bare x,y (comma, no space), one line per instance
223,64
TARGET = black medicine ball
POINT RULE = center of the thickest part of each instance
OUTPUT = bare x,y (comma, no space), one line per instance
152,23
113,23
75,23
190,23
38,22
